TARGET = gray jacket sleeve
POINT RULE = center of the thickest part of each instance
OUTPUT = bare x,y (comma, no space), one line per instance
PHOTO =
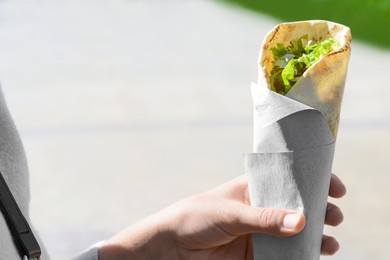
91,253
13,166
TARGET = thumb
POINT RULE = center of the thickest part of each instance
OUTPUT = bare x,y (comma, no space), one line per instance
272,221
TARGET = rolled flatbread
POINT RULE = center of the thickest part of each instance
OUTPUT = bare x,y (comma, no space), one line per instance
322,85
294,137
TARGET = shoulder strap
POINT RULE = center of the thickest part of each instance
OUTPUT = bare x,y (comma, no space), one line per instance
21,231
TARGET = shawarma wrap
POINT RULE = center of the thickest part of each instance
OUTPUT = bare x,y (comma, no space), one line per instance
297,101
322,84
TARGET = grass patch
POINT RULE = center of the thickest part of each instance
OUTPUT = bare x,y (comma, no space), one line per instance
368,19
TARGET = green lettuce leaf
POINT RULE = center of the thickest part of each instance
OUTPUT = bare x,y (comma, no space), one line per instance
290,62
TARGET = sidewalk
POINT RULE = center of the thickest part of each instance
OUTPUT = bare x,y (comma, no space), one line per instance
127,106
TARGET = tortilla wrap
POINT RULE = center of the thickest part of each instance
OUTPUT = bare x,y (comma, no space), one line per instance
322,85
294,139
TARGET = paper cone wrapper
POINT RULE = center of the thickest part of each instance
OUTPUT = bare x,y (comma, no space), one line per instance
296,180
290,169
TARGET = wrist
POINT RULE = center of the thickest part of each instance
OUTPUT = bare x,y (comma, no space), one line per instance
147,239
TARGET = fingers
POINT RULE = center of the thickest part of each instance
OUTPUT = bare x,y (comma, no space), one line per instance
329,245
236,189
336,188
276,222
334,216
238,185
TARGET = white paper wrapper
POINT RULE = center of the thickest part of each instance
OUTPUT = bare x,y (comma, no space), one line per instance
290,169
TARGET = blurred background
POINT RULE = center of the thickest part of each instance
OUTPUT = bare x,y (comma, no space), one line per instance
127,106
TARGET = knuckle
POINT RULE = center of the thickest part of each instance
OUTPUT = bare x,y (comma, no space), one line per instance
270,219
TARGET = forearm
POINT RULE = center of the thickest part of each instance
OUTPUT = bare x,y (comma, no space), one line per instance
148,239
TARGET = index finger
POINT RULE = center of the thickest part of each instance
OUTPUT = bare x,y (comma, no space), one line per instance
337,188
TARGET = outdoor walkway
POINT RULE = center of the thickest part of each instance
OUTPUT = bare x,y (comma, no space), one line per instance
127,106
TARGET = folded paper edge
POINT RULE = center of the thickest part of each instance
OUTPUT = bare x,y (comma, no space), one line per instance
265,101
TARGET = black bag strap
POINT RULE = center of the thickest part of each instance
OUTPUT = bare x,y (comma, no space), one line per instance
21,231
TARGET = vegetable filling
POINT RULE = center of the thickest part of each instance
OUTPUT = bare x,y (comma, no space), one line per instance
292,61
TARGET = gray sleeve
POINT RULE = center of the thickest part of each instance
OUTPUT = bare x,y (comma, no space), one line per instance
91,253
13,166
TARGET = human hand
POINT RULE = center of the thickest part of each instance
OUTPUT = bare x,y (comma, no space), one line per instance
216,224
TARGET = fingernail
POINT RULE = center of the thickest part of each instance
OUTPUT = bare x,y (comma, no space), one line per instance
290,221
